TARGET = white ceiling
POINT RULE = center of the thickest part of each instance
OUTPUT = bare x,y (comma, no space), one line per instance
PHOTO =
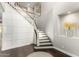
58,7
64,7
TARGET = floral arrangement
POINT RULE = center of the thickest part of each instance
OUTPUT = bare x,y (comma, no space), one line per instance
69,26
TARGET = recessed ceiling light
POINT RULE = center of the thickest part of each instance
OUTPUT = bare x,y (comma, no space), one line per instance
69,12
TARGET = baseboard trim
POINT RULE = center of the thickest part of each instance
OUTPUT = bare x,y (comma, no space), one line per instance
70,54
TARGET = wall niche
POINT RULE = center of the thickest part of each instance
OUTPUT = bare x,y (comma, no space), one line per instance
69,24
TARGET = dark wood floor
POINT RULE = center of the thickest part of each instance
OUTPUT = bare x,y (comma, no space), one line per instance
17,52
54,52
26,50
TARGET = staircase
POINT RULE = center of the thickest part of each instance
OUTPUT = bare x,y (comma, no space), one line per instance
42,40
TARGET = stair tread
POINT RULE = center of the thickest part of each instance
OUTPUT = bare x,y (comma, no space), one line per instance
44,40
43,35
43,47
45,43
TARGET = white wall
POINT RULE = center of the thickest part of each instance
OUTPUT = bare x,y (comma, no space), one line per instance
68,45
0,34
45,9
70,18
50,23
45,21
17,31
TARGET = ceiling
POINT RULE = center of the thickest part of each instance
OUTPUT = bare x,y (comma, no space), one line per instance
58,7
64,7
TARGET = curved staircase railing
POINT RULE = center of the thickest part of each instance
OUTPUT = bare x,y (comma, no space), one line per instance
41,39
34,23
